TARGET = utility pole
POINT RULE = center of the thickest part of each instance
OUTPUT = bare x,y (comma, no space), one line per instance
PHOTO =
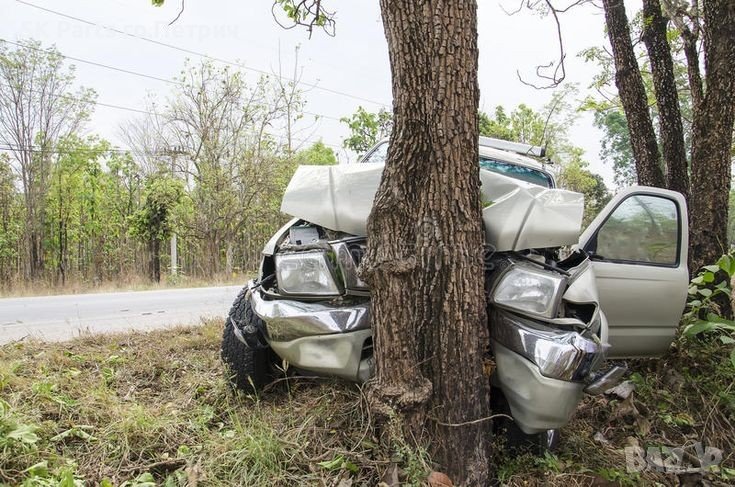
173,153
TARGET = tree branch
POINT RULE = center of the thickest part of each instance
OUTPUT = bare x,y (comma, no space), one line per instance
181,11
305,13
557,76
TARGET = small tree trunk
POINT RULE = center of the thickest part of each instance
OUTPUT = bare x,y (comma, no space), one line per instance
229,257
425,240
667,98
712,137
156,259
633,96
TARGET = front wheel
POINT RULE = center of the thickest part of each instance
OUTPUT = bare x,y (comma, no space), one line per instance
248,368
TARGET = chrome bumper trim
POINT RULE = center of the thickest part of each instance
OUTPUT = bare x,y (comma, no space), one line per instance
559,354
607,380
287,319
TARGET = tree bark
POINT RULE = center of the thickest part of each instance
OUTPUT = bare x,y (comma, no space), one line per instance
712,137
425,240
633,96
667,98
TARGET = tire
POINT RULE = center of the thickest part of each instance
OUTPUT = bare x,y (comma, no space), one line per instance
248,369
515,441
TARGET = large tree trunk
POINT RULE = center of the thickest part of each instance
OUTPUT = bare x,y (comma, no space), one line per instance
667,98
425,241
633,96
712,137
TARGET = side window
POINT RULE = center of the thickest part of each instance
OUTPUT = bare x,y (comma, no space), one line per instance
378,154
642,229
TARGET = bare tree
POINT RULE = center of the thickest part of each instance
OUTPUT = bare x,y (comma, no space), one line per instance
38,106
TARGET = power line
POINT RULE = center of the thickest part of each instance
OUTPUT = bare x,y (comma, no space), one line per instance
134,73
200,54
93,63
95,102
35,150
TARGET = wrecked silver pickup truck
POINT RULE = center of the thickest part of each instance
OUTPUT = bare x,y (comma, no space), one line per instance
554,322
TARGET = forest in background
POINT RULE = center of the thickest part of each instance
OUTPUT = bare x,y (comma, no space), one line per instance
204,169
202,176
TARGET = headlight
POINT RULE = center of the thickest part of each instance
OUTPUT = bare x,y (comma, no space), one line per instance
529,291
305,273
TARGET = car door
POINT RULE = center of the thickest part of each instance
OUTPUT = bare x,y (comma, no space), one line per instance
638,248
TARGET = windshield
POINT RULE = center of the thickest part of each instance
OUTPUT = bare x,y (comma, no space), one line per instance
523,173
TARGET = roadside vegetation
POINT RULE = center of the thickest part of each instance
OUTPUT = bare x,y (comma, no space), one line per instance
146,409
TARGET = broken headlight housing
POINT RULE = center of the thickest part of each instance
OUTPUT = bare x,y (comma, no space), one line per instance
530,291
306,273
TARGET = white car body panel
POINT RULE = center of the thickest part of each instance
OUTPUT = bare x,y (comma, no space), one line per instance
519,215
643,302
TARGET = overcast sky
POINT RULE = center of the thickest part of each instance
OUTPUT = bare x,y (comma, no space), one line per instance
355,62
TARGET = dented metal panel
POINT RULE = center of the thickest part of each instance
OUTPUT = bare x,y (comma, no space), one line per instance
517,215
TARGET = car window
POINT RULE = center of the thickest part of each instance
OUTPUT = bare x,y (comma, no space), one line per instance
378,154
642,229
523,173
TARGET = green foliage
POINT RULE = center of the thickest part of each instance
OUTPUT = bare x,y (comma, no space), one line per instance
317,154
160,197
497,126
615,148
366,129
575,176
338,463
607,108
11,221
15,436
702,315
523,125
531,127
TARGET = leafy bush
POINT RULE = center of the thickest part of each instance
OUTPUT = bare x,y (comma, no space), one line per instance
15,436
703,313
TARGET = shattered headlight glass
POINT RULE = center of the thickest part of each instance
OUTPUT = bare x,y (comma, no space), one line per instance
305,273
530,291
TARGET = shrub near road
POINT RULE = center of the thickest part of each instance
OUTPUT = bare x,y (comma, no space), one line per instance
154,409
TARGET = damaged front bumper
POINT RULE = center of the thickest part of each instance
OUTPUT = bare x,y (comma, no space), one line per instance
542,371
558,354
288,319
326,339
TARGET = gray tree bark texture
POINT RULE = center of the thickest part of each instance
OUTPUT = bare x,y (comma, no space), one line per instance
633,96
671,128
712,136
425,241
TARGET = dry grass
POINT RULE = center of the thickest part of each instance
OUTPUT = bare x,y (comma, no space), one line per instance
132,409
685,398
120,407
125,283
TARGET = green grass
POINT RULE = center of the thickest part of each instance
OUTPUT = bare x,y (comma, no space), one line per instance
139,406
145,409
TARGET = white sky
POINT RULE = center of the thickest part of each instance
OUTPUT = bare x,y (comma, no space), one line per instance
354,62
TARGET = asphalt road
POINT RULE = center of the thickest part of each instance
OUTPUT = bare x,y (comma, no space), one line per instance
63,317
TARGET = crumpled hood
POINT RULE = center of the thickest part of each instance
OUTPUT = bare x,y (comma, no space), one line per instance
520,215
